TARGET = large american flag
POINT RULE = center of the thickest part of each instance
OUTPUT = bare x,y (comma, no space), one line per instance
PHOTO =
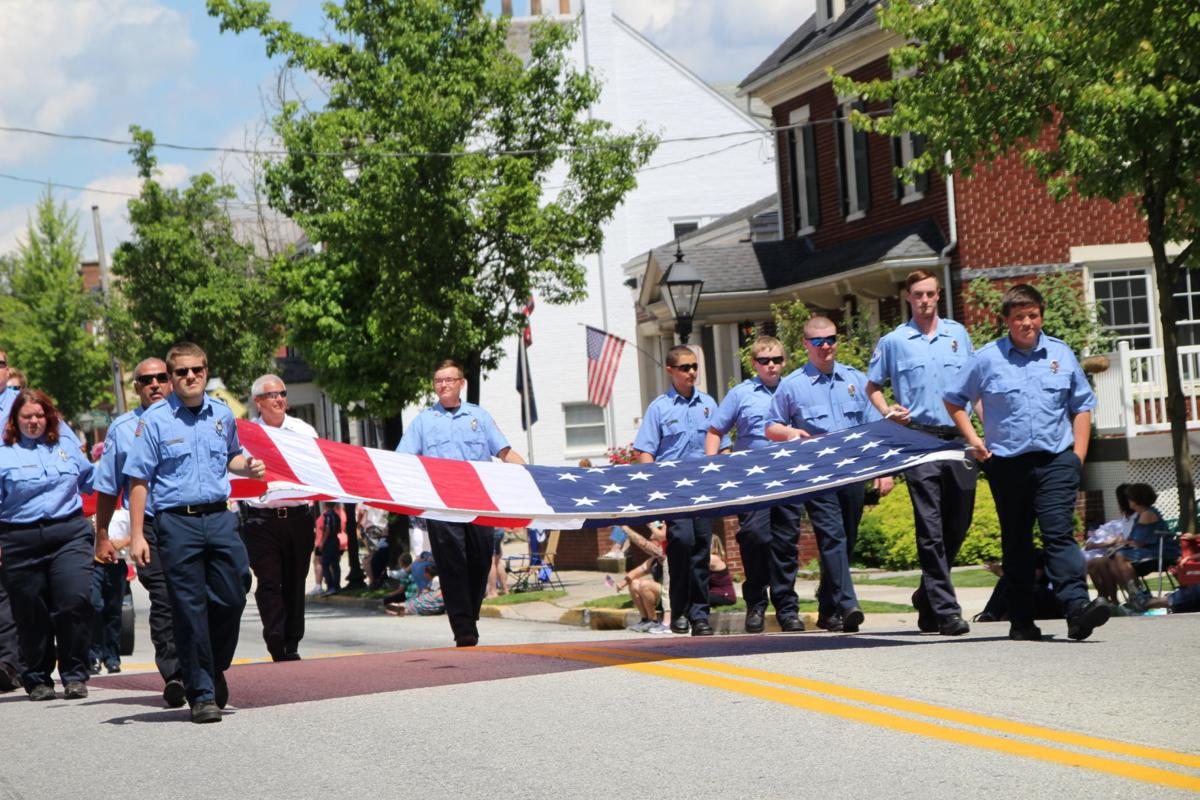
511,495
604,355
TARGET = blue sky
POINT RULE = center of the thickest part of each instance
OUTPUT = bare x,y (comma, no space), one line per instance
96,66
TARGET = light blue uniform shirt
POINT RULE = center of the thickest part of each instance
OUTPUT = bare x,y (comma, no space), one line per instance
747,405
184,456
1028,400
468,433
919,368
110,469
9,395
812,401
675,426
41,481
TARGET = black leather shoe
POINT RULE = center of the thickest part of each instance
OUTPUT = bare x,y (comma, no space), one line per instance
755,621
41,692
9,679
204,712
75,690
1025,633
851,619
174,694
701,628
469,640
791,624
927,621
985,616
291,655
221,690
953,625
832,623
680,625
1086,619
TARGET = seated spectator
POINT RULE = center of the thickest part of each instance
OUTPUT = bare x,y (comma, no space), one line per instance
497,574
1104,539
720,581
644,581
1184,600
425,603
418,572
372,527
620,542
403,577
1115,570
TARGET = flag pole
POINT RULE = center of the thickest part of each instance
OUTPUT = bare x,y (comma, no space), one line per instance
525,395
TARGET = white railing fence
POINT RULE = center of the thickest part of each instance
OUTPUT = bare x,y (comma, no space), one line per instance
1131,395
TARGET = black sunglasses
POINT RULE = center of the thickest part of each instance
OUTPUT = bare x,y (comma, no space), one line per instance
817,341
273,395
182,372
158,377
686,367
764,360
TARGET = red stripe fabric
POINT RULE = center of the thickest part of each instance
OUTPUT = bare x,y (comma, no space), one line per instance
258,442
457,483
354,469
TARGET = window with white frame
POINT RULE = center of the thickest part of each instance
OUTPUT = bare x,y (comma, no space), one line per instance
828,11
854,181
585,426
1187,309
802,151
1125,305
905,148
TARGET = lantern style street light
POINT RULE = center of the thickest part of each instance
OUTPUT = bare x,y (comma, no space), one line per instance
681,286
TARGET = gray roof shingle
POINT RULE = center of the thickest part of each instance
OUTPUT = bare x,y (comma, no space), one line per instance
859,14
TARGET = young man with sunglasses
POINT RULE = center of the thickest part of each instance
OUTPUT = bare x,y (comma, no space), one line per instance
768,537
823,397
919,359
279,536
152,384
184,448
674,428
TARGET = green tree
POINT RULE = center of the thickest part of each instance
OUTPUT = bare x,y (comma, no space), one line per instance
47,313
503,188
857,335
183,276
1100,97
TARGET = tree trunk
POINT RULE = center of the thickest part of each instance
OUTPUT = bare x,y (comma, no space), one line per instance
474,377
393,429
1165,274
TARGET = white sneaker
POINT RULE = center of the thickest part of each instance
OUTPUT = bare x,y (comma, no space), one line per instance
641,627
657,627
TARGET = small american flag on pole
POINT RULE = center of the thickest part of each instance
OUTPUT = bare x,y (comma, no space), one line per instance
604,355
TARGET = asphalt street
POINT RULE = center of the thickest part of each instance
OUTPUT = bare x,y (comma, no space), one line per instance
380,707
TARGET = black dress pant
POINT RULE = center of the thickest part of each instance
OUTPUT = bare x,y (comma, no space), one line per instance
47,571
10,650
835,517
768,539
162,627
463,554
943,500
1041,486
279,548
688,544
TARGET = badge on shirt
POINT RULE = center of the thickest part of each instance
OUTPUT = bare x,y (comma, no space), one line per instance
954,345
220,428
850,389
1053,367
706,413
474,424
141,426
62,454
107,445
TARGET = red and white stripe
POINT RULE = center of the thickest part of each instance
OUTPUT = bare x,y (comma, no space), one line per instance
602,371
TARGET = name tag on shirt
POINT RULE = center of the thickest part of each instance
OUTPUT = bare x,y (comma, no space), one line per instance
175,441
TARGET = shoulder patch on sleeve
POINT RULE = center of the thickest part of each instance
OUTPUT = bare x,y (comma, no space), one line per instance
140,429
876,355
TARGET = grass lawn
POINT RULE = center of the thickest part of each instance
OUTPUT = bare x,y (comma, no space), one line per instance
525,597
965,579
368,593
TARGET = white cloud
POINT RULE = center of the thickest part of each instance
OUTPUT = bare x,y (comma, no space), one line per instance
63,59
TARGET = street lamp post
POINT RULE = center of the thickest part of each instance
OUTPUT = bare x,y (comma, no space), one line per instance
681,289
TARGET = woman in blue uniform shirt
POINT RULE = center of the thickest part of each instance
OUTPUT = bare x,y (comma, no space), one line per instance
47,545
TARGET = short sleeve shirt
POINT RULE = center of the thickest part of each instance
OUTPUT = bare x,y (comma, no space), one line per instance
40,481
110,469
747,407
468,433
919,367
674,426
184,456
1028,398
812,401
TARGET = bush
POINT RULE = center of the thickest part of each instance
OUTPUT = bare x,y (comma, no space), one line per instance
887,538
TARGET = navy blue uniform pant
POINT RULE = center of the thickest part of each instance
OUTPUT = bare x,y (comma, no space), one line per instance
47,571
279,548
943,500
768,539
108,592
688,544
835,517
162,624
463,554
209,574
10,650
1038,486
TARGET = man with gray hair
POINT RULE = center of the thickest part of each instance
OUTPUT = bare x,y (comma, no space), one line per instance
279,537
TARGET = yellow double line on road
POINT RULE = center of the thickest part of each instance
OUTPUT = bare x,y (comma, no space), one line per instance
780,688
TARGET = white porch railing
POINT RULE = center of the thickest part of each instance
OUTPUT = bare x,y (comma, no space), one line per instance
1131,395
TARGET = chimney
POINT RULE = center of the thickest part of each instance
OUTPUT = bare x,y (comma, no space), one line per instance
564,7
535,8
506,8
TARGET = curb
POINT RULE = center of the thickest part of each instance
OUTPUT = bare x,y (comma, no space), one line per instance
724,623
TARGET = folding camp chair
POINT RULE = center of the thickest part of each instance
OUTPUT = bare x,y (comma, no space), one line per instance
537,571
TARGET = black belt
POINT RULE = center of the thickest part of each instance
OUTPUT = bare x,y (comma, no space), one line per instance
278,512
38,523
940,431
197,510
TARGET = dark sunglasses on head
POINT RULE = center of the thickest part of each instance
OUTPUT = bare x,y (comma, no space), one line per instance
182,372
686,367
273,395
817,341
764,360
158,377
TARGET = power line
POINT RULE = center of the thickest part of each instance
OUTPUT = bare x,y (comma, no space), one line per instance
112,192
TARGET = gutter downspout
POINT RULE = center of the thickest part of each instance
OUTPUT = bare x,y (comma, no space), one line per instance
951,213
